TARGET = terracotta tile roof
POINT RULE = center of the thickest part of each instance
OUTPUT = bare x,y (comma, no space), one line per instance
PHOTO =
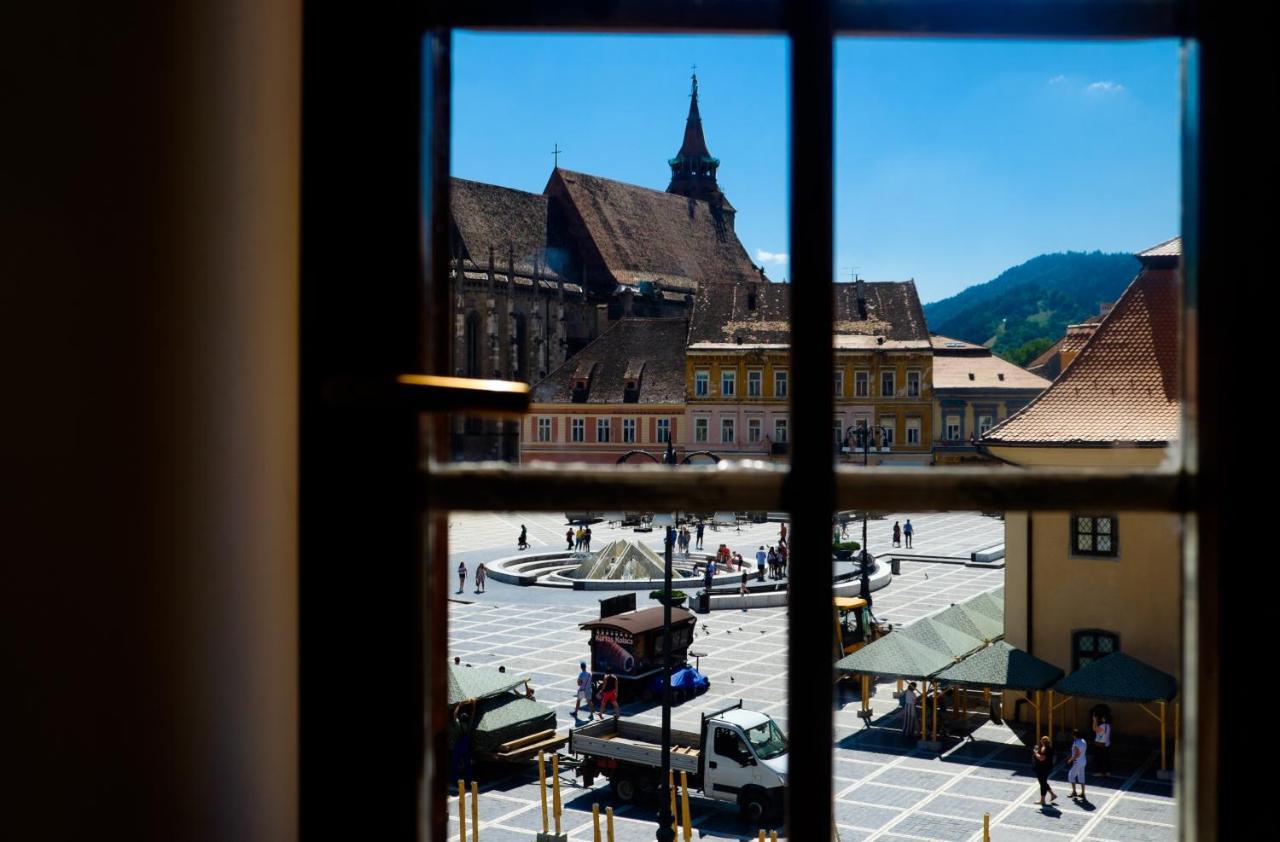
1169,248
1123,385
760,314
947,344
984,373
636,234
1077,336
1046,365
652,348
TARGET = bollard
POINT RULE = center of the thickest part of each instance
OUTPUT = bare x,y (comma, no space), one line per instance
761,839
555,788
475,813
542,789
608,822
595,822
684,807
773,836
462,810
671,789
986,827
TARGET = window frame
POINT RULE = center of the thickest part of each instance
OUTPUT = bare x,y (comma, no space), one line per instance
730,424
544,429
629,427
811,36
662,430
701,429
862,383
915,383
1114,533
755,383
577,430
781,378
755,430
729,379
604,426
701,382
1078,634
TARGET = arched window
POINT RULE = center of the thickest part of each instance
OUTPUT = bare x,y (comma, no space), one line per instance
472,339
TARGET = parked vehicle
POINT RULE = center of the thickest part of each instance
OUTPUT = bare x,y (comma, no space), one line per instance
736,755
855,625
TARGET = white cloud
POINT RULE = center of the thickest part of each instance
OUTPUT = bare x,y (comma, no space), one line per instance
1058,80
1105,87
777,259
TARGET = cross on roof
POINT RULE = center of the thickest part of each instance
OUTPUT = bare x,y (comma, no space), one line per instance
556,153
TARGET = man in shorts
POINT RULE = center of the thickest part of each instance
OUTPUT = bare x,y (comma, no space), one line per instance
609,693
584,690
1075,772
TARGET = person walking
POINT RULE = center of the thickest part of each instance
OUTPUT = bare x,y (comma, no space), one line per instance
782,560
586,539
609,693
481,575
782,533
701,527
584,691
909,699
707,575
908,531
742,591
522,543
462,576
1075,772
579,537
897,534
773,563
1042,759
568,538
1102,745
761,556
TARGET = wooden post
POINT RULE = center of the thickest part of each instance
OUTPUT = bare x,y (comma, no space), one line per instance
555,788
462,810
986,827
1038,698
773,836
1163,711
595,822
866,691
923,704
761,837
475,813
684,806
608,822
542,787
936,696
1050,714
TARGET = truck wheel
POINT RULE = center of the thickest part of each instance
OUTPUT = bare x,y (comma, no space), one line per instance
754,806
625,789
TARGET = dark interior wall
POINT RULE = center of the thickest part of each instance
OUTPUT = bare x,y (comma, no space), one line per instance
149,288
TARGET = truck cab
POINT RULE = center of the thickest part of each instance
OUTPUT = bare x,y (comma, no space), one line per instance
745,761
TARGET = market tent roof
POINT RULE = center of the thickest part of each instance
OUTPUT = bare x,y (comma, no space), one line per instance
973,623
1119,678
1001,665
941,637
989,604
896,654
468,683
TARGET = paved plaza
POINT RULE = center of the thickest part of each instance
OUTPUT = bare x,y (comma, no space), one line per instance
885,788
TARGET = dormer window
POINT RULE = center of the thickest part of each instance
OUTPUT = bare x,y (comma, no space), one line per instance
579,393
631,391
751,301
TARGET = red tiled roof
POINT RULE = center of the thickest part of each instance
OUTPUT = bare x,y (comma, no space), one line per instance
983,373
1123,385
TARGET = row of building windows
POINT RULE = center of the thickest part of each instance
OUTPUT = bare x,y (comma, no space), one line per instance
604,430
728,430
954,428
755,379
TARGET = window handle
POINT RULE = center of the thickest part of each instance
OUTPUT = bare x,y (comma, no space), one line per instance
431,393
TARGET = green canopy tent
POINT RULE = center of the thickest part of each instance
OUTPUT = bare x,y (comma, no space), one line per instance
1122,678
900,655
502,716
942,637
973,623
1002,666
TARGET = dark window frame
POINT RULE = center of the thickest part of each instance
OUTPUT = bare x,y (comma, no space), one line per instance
1077,651
1113,535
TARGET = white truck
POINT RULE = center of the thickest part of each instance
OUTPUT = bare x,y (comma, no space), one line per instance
737,755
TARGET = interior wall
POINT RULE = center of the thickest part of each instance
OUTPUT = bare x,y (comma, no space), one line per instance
150,300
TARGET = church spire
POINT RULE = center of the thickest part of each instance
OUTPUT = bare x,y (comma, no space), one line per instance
693,169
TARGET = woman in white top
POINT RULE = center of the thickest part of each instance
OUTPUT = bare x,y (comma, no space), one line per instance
1102,746
909,699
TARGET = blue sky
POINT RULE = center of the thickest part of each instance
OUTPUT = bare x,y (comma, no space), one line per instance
954,159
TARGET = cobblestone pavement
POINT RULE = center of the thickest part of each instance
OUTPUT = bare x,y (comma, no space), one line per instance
885,789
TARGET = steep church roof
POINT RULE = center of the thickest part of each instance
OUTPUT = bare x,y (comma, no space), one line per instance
867,315
649,352
511,222
633,234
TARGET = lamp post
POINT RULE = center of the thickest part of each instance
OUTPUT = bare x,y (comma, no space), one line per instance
666,833
864,434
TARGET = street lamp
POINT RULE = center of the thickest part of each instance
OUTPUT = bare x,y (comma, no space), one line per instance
863,434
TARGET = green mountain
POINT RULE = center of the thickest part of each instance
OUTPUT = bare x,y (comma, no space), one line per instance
1027,308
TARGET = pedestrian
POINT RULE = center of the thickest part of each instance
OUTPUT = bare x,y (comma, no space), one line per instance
462,576
782,537
701,527
568,537
742,590
609,693
707,575
584,690
761,555
782,559
1102,745
908,703
908,531
586,539
773,563
464,721
1042,759
1075,772
481,575
579,537
897,534
522,543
